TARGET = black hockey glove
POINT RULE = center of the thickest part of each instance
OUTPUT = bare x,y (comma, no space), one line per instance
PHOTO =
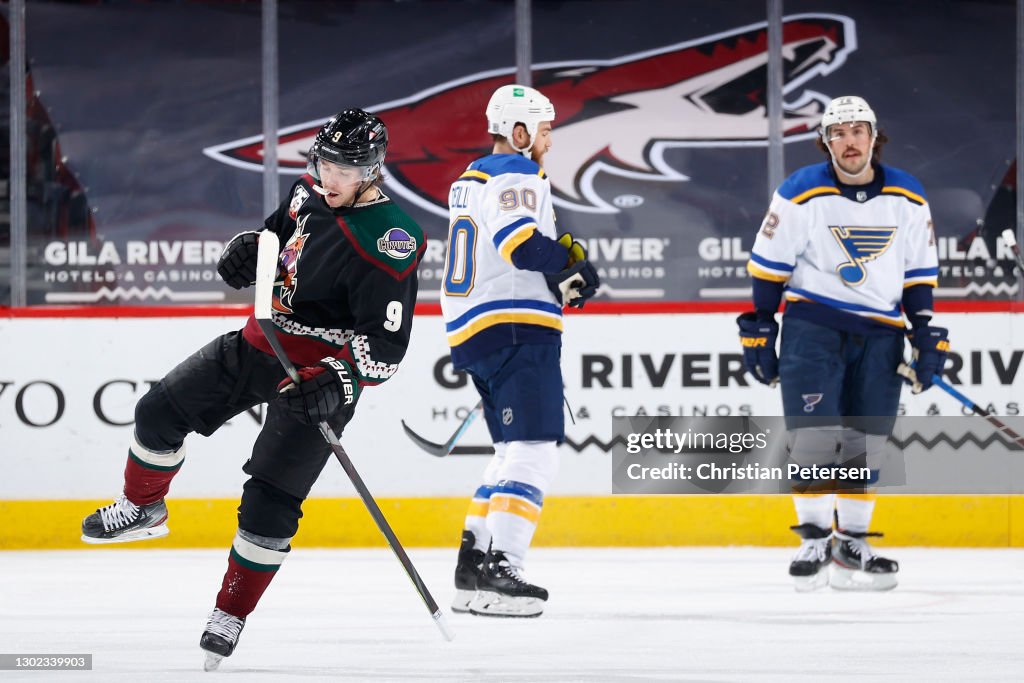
237,264
325,387
579,281
758,340
930,348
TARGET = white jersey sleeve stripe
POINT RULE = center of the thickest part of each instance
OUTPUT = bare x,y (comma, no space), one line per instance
766,275
776,271
511,236
513,242
921,276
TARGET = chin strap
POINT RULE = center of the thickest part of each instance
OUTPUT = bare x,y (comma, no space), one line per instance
858,174
525,151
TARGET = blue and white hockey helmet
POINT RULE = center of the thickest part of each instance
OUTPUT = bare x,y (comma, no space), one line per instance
512,104
847,109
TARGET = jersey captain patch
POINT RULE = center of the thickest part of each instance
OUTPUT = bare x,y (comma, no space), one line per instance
860,245
298,199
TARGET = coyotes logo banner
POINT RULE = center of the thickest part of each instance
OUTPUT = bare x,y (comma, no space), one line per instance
614,116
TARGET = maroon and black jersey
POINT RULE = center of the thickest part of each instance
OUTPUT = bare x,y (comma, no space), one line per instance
346,284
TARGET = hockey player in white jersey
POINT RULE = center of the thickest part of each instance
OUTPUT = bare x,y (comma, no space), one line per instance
508,276
849,245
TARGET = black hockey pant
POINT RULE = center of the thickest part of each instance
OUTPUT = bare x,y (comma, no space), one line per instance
224,378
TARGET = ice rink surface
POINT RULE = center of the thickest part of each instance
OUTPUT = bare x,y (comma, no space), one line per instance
701,614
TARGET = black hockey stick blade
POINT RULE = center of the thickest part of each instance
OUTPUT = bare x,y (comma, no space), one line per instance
441,450
266,272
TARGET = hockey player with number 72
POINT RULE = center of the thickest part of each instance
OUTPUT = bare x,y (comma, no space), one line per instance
342,310
849,244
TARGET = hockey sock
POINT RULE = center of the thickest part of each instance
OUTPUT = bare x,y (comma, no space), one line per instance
476,516
251,568
514,512
814,508
855,510
517,499
148,475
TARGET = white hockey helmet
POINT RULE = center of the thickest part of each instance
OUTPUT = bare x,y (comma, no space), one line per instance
847,109
512,104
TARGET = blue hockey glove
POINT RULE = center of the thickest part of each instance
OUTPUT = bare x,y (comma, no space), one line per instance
237,264
930,349
323,389
579,280
758,340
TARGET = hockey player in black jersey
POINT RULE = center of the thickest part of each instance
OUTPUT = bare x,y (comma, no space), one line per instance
343,307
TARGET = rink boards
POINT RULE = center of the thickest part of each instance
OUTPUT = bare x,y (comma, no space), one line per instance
70,384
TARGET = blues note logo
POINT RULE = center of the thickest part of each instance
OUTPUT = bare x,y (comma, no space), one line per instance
860,245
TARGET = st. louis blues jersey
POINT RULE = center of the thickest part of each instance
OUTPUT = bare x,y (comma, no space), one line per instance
501,241
847,252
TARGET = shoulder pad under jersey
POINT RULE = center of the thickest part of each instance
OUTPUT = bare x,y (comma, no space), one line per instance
807,183
386,237
902,183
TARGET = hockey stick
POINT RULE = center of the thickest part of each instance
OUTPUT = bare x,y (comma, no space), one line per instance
905,371
1011,241
441,450
266,272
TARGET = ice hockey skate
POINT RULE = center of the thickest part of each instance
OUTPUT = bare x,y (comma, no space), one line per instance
856,567
503,592
220,637
466,572
809,567
123,521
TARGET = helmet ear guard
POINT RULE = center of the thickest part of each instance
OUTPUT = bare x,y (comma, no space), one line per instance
512,104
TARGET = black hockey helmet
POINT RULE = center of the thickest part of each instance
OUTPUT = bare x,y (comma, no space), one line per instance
350,138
